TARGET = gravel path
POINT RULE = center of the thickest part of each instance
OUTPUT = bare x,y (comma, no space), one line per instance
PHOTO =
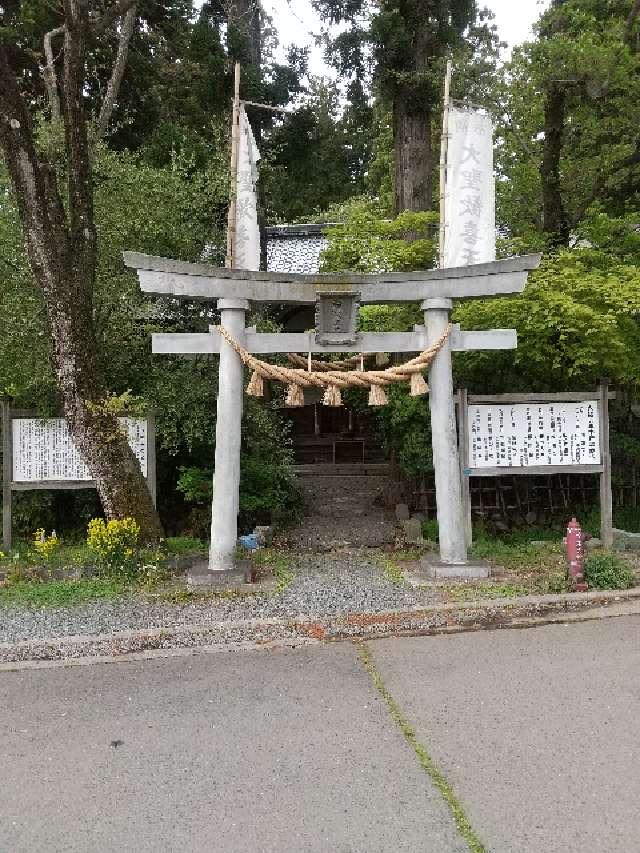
342,511
324,585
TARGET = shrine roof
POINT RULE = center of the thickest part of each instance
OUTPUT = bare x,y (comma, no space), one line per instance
295,248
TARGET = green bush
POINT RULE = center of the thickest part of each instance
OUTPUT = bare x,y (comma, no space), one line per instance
179,545
268,489
32,510
430,530
608,571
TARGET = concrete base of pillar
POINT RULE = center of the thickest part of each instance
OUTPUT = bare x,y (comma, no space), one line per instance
435,569
201,575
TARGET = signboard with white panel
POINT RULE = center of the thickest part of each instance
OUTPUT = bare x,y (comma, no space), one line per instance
43,450
546,433
39,453
523,435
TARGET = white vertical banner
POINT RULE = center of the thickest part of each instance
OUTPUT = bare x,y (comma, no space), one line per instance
469,205
247,237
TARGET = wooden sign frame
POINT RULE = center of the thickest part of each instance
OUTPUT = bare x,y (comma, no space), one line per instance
602,395
9,485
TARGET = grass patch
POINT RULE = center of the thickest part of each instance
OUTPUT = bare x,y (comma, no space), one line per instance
66,593
283,575
187,595
408,555
277,563
426,762
392,571
530,568
473,592
517,555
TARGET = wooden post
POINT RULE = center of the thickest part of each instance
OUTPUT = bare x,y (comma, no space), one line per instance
444,148
151,458
463,450
230,261
7,475
606,498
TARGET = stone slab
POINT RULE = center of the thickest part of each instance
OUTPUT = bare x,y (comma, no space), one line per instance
435,569
537,731
250,752
412,528
201,575
626,541
402,512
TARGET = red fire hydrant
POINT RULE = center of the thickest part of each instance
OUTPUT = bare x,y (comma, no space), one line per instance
574,542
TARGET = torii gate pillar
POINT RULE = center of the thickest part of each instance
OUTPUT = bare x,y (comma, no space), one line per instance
451,526
226,476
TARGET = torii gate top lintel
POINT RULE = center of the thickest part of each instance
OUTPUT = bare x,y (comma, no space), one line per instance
165,277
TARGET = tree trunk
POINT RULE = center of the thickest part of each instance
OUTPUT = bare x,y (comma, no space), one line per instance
631,19
62,251
554,218
413,157
96,432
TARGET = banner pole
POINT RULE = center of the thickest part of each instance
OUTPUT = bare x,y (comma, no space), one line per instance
444,147
230,260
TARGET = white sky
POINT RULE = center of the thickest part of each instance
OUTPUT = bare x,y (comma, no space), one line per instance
296,23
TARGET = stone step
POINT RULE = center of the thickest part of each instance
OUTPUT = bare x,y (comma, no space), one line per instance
366,469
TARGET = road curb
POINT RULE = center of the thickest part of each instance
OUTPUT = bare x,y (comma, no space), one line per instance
239,635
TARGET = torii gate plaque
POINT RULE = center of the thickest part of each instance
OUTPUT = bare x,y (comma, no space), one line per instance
235,289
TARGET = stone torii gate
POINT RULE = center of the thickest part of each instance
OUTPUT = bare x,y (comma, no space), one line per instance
235,289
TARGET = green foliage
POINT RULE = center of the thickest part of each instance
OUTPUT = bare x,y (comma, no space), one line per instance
608,571
277,563
392,571
196,485
405,428
32,510
576,322
476,592
581,48
430,530
402,45
541,568
268,492
368,243
137,208
179,545
316,157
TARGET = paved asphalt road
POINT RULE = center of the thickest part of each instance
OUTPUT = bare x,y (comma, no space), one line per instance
537,732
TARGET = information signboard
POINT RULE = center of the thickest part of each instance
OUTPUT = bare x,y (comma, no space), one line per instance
545,433
39,453
43,450
522,435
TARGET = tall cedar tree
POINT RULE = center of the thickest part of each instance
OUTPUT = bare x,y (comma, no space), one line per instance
570,82
555,222
407,40
58,223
